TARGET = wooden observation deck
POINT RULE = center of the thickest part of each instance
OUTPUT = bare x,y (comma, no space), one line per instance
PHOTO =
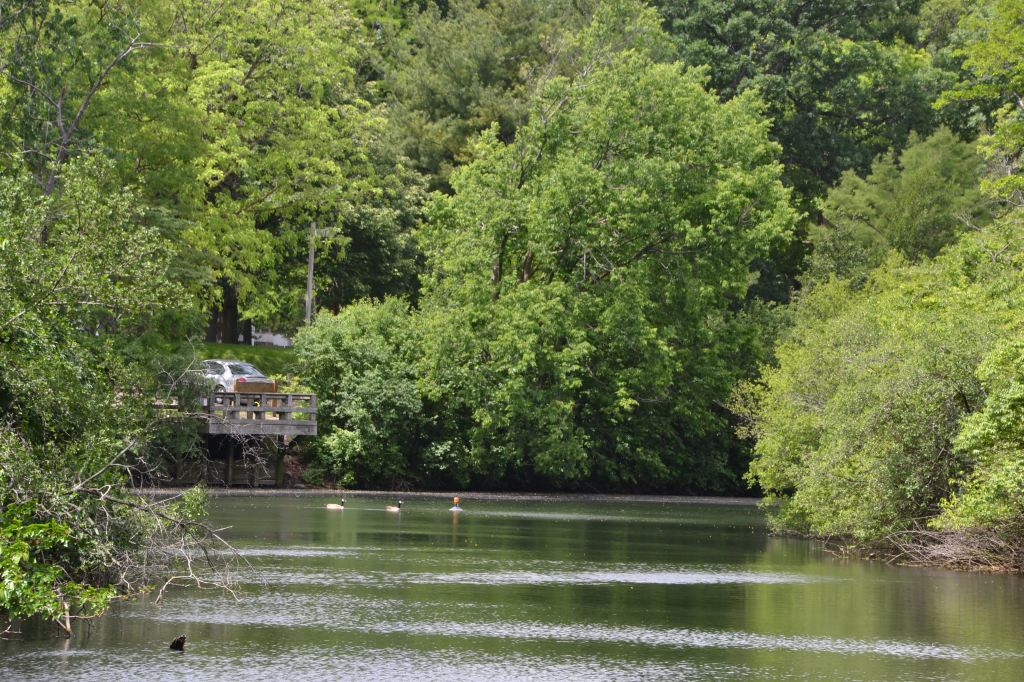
259,414
256,421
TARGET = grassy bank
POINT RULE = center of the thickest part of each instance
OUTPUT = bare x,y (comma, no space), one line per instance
270,359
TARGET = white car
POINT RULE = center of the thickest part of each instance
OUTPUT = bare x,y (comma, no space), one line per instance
226,374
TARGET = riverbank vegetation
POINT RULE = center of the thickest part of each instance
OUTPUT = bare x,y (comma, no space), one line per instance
582,246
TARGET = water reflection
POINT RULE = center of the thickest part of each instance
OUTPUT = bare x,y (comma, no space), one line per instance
545,591
455,528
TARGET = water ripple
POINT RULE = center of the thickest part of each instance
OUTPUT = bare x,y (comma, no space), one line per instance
365,663
541,573
394,617
606,577
291,552
702,639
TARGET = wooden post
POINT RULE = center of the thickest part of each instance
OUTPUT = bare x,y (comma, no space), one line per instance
253,470
205,463
229,468
279,470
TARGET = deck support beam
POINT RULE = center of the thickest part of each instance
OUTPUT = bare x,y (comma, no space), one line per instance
229,466
279,466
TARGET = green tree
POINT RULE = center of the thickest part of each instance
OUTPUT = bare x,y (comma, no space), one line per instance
465,66
55,59
857,427
360,363
241,124
987,493
375,255
993,54
459,72
916,203
31,582
843,81
272,88
993,441
579,319
83,318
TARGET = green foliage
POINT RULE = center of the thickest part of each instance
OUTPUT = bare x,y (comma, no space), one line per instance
843,81
578,321
993,57
85,290
990,492
457,72
370,413
858,428
992,438
85,285
31,581
379,257
854,427
240,123
896,404
285,132
915,203
57,56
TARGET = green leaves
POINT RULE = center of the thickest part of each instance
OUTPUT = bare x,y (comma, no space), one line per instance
873,420
33,579
894,402
992,53
577,307
988,492
915,203
842,82
238,124
360,364
84,298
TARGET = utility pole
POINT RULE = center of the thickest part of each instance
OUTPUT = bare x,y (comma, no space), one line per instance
309,272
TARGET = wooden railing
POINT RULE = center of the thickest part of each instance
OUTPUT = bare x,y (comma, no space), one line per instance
281,414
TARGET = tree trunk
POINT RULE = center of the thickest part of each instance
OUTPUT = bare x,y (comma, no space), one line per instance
229,313
213,326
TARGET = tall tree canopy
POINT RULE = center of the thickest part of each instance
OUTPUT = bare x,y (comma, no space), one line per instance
243,123
915,203
843,81
993,57
581,311
463,66
894,408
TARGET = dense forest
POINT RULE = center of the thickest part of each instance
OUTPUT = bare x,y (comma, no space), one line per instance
577,245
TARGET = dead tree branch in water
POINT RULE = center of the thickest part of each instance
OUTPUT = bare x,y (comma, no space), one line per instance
967,549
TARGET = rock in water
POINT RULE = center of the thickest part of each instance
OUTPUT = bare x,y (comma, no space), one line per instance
179,643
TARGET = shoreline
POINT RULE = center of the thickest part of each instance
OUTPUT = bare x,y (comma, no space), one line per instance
496,496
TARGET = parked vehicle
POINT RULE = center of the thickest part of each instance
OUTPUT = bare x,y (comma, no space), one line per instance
228,375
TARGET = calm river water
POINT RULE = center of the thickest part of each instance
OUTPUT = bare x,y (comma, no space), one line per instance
544,591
